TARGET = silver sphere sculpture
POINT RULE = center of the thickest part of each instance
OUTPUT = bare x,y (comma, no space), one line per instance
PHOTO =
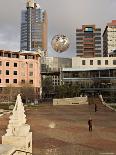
60,43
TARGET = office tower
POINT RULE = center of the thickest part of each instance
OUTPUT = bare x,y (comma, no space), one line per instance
88,41
109,38
33,28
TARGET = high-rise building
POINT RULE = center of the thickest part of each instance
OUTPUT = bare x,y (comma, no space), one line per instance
109,38
33,28
88,41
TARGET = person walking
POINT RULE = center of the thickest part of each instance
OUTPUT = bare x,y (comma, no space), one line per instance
90,124
95,107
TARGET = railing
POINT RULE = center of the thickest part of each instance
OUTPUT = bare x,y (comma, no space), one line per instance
105,104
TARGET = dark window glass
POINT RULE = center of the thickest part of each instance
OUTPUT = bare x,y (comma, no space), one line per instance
15,72
15,64
7,72
0,63
83,62
31,81
106,62
7,80
14,80
91,62
114,62
99,62
0,80
0,72
7,63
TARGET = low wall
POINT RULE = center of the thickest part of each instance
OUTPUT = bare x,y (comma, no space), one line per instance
71,101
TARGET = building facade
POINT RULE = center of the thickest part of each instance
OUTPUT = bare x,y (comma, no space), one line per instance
52,67
17,68
33,28
92,74
88,41
109,38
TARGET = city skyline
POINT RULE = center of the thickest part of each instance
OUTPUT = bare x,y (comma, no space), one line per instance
67,17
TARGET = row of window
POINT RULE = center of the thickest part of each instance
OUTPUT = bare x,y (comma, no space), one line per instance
98,62
15,81
8,64
15,73
15,64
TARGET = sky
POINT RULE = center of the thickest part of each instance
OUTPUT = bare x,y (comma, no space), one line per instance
64,16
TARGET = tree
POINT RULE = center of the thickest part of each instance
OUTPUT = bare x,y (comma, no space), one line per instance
11,92
47,87
67,90
27,92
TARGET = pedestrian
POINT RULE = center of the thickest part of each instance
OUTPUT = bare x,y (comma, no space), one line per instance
95,107
90,124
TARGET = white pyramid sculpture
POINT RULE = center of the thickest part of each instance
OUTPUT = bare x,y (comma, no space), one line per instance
18,133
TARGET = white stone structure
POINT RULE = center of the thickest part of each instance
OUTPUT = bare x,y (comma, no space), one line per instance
6,150
71,101
18,133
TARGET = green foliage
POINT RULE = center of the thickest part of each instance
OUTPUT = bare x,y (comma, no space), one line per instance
67,90
47,87
27,93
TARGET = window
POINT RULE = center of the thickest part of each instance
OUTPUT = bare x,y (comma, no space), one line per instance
14,80
0,80
114,62
31,81
99,62
0,63
7,72
7,63
83,62
15,64
91,62
15,72
22,81
30,65
0,72
106,62
30,73
7,80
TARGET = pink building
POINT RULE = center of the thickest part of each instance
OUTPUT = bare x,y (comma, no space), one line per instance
17,68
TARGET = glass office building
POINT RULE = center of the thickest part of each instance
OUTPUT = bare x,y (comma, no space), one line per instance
33,28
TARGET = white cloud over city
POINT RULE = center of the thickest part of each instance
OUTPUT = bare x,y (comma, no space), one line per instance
64,16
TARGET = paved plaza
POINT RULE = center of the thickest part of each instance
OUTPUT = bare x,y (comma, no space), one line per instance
63,130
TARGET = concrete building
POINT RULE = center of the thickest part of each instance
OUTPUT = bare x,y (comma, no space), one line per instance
96,74
109,38
88,41
34,28
52,66
18,68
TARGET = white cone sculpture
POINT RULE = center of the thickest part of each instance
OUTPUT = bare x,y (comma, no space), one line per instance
18,133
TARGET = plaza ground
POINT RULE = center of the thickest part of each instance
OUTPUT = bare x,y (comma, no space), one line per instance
63,130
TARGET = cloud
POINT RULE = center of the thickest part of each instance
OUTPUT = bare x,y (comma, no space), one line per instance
64,16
